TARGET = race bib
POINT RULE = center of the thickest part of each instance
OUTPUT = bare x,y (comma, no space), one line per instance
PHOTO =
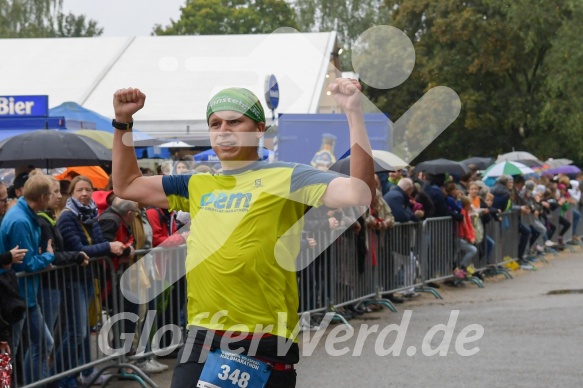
230,370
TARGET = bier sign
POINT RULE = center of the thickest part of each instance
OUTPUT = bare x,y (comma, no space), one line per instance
24,106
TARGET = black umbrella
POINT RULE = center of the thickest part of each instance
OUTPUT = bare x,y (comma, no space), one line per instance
442,166
51,149
343,166
480,163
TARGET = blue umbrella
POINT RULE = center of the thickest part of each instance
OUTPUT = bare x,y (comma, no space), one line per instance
88,119
210,156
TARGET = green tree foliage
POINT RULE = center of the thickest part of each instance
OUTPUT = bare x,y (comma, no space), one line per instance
76,26
515,65
349,18
42,19
218,17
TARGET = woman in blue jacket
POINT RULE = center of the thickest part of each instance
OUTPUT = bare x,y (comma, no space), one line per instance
80,230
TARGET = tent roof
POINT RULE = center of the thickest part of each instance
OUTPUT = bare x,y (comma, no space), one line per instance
178,73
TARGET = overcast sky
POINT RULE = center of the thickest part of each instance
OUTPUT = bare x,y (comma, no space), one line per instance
126,17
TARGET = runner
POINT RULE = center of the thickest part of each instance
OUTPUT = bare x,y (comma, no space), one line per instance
245,235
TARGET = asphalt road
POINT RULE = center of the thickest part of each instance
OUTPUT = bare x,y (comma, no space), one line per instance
530,339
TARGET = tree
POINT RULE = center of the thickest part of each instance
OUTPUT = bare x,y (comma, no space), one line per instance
218,17
76,26
349,18
500,57
42,19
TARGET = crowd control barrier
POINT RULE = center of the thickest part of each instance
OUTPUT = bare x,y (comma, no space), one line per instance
68,324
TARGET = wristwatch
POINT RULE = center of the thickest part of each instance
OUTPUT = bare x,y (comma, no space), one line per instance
122,126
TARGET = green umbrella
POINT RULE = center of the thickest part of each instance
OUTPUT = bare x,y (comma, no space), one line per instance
507,168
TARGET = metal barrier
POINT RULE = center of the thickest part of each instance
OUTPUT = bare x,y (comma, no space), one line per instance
315,276
508,237
580,224
154,287
58,337
439,248
354,269
398,257
353,280
555,218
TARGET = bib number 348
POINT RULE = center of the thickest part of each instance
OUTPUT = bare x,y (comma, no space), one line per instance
238,378
230,370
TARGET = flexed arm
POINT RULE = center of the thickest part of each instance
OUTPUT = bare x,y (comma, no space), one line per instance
359,189
128,182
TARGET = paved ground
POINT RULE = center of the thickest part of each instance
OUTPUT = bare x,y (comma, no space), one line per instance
530,339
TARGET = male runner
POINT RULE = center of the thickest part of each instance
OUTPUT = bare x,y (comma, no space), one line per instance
244,236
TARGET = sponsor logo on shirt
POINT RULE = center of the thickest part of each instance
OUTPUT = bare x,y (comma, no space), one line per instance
220,201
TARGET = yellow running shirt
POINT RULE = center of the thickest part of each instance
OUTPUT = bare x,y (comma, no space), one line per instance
244,238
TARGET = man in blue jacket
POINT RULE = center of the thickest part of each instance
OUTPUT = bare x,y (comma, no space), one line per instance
398,200
20,227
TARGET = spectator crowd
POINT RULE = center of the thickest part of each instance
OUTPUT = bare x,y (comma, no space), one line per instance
47,316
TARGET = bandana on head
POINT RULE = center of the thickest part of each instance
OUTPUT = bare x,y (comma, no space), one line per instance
238,100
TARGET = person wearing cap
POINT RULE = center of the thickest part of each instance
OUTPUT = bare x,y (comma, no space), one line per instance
15,191
244,235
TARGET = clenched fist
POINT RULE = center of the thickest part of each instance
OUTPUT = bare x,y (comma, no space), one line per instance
347,93
126,102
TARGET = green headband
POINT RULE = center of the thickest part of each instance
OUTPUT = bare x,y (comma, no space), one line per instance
238,100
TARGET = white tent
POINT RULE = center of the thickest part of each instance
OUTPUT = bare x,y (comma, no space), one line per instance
178,73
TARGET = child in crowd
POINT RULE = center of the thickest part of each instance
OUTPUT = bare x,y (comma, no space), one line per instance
466,238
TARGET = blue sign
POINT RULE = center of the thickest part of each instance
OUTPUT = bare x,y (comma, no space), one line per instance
24,106
271,92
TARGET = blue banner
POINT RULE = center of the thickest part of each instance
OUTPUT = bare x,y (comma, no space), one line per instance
24,106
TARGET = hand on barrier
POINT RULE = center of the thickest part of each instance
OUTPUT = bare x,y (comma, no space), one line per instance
85,262
312,242
333,223
116,247
50,246
4,347
17,255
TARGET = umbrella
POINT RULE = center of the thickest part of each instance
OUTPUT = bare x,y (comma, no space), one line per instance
102,137
552,163
51,149
343,166
480,163
174,144
442,166
532,163
389,158
143,140
515,155
570,169
106,138
507,168
98,177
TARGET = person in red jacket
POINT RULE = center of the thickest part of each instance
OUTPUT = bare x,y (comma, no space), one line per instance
103,200
166,235
467,238
164,228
